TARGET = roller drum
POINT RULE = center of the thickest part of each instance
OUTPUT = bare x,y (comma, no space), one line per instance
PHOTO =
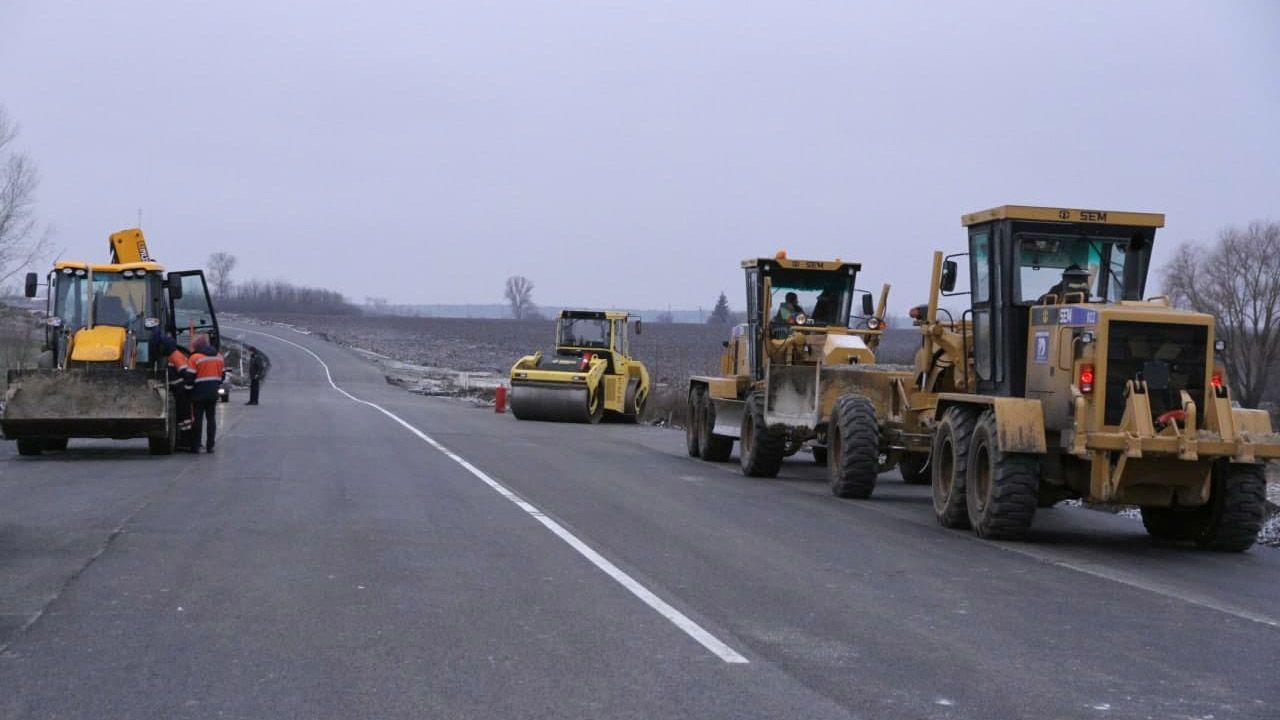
568,403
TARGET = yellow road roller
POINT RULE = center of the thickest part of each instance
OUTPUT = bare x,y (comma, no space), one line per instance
590,375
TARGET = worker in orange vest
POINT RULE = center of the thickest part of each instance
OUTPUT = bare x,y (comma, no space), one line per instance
210,370
181,377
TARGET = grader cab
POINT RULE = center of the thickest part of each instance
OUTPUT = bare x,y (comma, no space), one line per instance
1068,384
782,374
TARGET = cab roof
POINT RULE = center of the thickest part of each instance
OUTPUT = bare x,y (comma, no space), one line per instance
1070,215
107,267
594,314
783,261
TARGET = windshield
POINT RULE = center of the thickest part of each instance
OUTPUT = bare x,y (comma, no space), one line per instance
119,299
1099,265
584,333
822,298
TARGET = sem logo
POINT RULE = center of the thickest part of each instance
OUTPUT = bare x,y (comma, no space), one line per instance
1064,316
1064,214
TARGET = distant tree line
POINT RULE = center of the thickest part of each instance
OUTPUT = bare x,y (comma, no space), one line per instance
278,296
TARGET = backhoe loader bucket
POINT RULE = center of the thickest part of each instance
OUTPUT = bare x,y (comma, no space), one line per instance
84,403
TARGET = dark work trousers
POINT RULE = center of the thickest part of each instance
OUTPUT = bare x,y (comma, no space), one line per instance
253,390
205,410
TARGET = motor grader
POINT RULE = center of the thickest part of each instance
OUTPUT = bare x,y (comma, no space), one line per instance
783,376
589,375
1060,381
102,372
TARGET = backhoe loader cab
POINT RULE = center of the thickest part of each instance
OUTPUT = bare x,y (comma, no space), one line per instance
784,370
102,372
1060,381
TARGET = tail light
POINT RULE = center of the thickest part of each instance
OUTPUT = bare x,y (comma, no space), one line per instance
1086,377
1216,378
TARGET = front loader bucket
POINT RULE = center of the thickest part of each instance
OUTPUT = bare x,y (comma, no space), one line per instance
791,396
95,402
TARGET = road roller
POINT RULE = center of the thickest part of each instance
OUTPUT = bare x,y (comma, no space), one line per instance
589,376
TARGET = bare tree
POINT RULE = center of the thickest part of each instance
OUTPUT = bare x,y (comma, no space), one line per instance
22,240
519,294
220,266
1237,280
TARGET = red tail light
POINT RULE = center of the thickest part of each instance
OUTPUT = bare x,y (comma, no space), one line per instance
1216,379
1086,378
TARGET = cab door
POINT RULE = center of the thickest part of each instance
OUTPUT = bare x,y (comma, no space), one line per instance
191,312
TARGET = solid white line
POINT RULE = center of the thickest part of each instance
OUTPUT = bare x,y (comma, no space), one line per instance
677,618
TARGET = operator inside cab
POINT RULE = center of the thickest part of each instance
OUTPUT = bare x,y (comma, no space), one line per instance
1075,280
790,311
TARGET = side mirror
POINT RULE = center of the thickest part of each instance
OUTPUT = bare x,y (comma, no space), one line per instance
33,281
637,326
948,281
868,307
174,282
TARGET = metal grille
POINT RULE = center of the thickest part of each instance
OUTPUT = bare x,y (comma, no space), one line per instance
1169,357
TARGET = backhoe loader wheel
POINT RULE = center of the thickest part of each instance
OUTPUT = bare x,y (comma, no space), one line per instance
30,446
714,448
1229,522
55,444
914,468
760,450
853,457
948,466
165,444
1002,488
693,424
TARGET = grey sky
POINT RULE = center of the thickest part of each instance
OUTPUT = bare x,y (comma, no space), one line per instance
424,151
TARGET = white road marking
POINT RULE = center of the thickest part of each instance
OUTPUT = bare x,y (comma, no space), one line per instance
677,618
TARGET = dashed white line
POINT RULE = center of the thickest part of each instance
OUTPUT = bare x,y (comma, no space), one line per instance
663,608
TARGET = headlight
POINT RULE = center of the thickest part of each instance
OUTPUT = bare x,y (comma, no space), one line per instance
53,321
151,322
873,323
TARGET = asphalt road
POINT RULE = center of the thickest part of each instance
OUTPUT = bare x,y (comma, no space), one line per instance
425,558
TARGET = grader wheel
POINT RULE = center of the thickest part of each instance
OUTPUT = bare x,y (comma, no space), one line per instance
950,464
854,453
1002,487
761,451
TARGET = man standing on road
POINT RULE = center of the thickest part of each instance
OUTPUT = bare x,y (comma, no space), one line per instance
180,379
210,371
257,372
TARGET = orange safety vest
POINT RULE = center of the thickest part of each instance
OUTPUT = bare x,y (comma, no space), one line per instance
177,367
208,369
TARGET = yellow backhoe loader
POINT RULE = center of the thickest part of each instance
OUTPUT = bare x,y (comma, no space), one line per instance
588,376
102,372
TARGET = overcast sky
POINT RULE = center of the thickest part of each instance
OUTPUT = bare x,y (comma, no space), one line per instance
627,154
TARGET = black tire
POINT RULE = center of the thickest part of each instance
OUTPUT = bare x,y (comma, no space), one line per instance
692,439
1229,522
56,444
760,450
819,454
853,457
634,403
1175,524
949,465
715,448
914,468
165,444
1237,507
1001,488
30,446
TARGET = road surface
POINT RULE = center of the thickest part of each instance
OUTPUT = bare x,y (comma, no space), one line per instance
352,550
